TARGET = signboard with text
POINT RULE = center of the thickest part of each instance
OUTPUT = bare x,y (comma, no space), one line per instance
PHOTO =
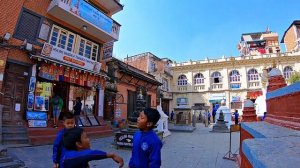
92,15
70,58
124,139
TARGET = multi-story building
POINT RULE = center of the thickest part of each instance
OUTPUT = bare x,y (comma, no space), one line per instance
160,68
259,43
231,79
130,85
54,47
291,37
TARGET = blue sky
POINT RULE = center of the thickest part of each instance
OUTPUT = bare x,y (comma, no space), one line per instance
195,29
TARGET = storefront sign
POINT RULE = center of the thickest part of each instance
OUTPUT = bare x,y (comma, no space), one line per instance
34,115
216,97
124,139
108,50
37,123
235,85
92,15
70,58
236,99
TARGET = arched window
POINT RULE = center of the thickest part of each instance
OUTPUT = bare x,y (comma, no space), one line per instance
234,76
253,75
198,79
216,77
182,80
287,72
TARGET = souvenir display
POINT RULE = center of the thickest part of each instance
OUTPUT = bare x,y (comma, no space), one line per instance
39,103
93,120
30,101
32,84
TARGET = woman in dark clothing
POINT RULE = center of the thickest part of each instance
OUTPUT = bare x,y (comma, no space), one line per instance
77,110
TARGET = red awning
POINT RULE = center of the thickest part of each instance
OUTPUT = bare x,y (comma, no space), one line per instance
254,94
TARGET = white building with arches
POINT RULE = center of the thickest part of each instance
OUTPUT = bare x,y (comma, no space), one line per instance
230,78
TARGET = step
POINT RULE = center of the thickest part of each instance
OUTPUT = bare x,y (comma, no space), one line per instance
15,140
6,159
13,164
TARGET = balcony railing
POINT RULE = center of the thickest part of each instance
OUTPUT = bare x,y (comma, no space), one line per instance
217,86
253,84
82,15
182,88
199,88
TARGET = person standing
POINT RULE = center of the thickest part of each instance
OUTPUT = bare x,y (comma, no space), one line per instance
236,117
57,104
77,110
172,115
214,112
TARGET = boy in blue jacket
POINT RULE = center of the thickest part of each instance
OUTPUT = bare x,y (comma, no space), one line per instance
78,152
146,144
58,148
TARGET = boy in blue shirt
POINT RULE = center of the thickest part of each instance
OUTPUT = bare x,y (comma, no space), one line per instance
58,148
146,144
78,152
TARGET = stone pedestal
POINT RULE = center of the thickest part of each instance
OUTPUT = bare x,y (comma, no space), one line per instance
220,125
227,115
162,124
249,114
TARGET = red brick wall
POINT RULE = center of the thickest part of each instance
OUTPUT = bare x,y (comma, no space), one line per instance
284,110
244,161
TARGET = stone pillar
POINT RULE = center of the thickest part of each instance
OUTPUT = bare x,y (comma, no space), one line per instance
249,113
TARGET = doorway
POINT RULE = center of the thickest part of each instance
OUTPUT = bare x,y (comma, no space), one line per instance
61,89
14,90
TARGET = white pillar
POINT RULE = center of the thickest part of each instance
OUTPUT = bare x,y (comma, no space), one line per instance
163,122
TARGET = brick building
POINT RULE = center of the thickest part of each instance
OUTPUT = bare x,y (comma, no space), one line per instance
291,37
128,83
53,47
161,69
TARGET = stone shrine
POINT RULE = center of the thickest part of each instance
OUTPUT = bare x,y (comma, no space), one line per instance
226,112
220,125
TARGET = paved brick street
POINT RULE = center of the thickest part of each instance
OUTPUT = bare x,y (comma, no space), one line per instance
200,149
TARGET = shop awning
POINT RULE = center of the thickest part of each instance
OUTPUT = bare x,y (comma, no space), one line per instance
66,64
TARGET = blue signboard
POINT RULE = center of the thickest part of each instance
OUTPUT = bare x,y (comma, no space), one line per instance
235,85
33,115
92,15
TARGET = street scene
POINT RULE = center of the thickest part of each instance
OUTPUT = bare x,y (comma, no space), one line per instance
149,84
203,150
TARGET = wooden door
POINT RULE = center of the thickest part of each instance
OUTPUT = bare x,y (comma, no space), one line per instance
14,98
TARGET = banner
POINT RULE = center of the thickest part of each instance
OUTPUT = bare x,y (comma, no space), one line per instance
92,15
70,58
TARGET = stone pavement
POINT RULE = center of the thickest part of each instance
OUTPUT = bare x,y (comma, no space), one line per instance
199,149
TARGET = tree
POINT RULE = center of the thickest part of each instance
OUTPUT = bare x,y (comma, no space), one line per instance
295,77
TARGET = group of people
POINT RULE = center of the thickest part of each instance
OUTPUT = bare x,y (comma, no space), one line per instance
57,105
71,148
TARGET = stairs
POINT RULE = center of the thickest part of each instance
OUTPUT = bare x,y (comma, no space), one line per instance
14,134
7,161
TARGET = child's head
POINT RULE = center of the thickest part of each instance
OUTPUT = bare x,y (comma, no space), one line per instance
76,139
69,120
148,119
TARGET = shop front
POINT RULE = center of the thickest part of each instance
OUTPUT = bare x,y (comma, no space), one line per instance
62,73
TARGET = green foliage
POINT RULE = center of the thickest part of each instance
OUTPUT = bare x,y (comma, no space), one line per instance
295,77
